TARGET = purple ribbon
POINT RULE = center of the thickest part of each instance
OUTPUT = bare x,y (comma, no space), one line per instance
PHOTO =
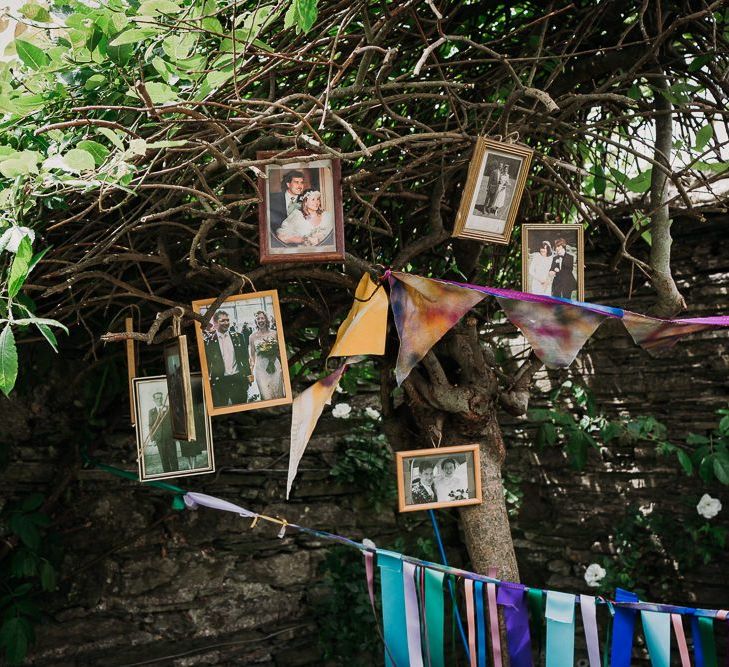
513,600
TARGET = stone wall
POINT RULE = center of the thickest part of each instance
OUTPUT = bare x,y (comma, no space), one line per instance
144,584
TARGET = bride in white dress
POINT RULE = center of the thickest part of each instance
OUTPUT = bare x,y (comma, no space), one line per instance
540,282
308,226
265,359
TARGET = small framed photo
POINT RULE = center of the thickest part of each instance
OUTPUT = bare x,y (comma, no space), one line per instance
442,477
160,453
491,198
179,388
553,260
243,353
300,214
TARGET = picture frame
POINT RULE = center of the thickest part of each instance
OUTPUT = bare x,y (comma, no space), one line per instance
494,187
177,371
245,367
454,479
292,228
539,243
159,454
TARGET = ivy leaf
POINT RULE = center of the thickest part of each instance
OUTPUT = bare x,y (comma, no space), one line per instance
301,14
31,55
685,460
721,468
703,137
8,360
14,636
20,267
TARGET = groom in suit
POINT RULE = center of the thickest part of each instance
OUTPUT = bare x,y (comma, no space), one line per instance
562,268
160,433
283,203
229,366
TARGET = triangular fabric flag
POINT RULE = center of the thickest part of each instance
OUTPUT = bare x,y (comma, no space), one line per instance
424,310
556,332
560,629
652,333
363,330
305,412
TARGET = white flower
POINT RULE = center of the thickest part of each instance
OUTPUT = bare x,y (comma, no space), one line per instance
372,413
11,238
342,411
594,575
708,507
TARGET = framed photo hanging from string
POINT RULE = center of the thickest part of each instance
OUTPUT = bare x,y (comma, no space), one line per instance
179,387
438,477
492,194
159,453
300,214
553,260
243,353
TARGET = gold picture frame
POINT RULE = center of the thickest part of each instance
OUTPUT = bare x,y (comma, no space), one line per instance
239,375
494,187
537,271
455,474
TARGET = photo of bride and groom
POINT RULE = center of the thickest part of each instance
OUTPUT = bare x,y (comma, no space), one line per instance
552,260
301,217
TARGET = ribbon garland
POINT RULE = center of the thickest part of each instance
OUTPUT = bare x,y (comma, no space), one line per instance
403,632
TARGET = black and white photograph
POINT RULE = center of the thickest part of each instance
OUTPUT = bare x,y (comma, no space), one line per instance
495,183
159,453
177,369
553,260
300,217
243,353
442,477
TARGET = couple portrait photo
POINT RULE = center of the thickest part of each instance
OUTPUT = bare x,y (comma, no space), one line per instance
496,178
553,260
300,217
449,477
160,453
243,353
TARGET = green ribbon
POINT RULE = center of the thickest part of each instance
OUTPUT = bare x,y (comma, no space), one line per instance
535,598
708,644
434,605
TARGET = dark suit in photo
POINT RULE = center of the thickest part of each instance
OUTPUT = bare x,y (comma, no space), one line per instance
160,430
281,205
229,389
564,282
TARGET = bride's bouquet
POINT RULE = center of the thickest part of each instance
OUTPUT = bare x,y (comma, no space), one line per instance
268,349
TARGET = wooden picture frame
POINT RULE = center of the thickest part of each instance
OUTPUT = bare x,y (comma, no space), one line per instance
463,486
538,243
494,186
177,370
302,242
249,380
159,454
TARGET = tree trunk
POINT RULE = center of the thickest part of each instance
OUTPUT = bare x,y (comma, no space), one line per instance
486,526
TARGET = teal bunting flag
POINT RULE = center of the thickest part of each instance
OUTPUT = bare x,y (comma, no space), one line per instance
434,611
393,609
657,631
560,629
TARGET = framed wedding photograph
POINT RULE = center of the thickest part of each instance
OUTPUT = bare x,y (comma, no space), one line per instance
494,186
159,453
300,215
243,353
438,477
179,388
553,260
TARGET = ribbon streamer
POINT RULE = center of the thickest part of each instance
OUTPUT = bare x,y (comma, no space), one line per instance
623,629
681,640
412,615
657,631
434,605
560,629
470,615
589,622
512,598
480,623
494,619
393,609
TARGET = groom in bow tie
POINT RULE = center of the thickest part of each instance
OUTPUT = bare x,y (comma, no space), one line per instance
283,203
562,271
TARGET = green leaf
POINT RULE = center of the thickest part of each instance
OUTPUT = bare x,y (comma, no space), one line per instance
95,81
8,360
97,150
154,7
695,439
20,163
721,468
178,47
160,93
32,502
26,530
35,13
698,62
47,576
301,14
599,181
132,36
703,137
640,183
20,266
31,55
685,460
48,335
112,136
14,636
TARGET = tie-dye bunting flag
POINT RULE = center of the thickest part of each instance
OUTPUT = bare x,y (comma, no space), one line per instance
654,334
305,412
363,330
424,310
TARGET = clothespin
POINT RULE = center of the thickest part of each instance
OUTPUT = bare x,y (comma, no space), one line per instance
282,532
254,522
